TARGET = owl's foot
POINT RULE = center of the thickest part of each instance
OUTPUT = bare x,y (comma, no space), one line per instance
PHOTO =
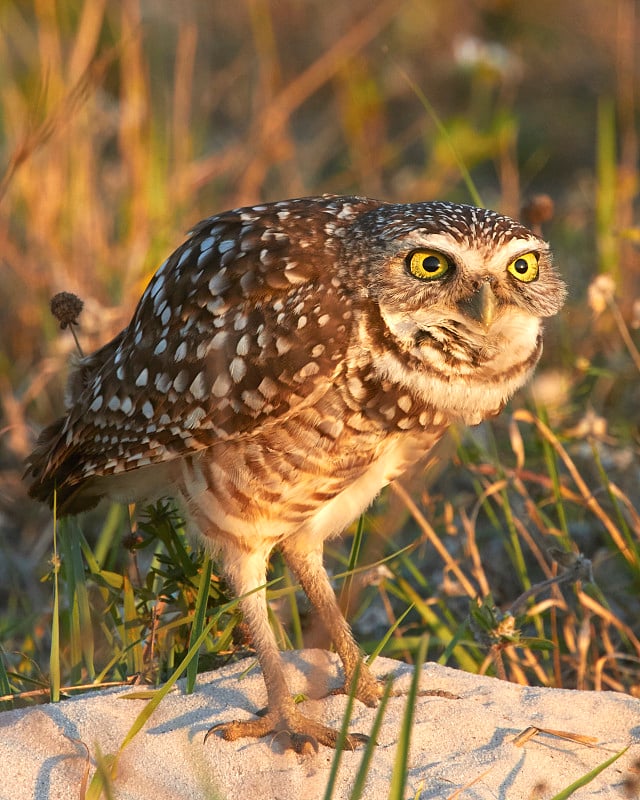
298,732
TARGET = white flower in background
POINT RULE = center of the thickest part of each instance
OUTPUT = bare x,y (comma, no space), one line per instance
601,292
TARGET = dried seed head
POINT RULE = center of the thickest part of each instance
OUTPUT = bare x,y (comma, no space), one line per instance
66,308
538,210
601,293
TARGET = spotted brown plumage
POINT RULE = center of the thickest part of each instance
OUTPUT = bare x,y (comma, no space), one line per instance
284,364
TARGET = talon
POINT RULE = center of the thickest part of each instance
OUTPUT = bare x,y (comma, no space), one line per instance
213,729
304,744
236,729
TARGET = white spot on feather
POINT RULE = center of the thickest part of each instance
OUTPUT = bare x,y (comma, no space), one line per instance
218,340
184,257
158,282
254,400
237,369
221,385
307,371
268,388
198,386
283,345
194,417
163,382
240,322
142,378
242,348
218,282
180,381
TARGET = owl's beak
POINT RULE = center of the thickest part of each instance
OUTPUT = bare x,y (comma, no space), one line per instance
481,306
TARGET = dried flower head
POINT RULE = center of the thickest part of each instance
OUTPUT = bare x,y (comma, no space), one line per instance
601,293
538,210
591,425
66,308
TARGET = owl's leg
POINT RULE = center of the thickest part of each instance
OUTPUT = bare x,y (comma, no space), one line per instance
282,716
306,564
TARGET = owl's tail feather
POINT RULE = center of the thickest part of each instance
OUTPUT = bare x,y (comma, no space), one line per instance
47,472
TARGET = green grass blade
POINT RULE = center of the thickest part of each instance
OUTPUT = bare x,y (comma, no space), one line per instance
132,629
5,684
71,613
108,543
158,694
383,642
101,786
82,605
342,737
354,555
295,621
363,769
198,622
551,462
459,636
585,779
399,774
54,653
444,633
607,188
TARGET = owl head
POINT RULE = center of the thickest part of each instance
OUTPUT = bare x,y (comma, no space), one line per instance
462,293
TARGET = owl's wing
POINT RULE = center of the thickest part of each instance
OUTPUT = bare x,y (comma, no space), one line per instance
243,325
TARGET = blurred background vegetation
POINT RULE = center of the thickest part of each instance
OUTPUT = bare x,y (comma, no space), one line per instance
124,122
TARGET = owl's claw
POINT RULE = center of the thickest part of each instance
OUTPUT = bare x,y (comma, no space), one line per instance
300,733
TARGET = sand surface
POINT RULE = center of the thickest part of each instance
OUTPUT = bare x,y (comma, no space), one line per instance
462,747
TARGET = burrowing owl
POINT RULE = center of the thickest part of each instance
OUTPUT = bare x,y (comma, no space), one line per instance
283,365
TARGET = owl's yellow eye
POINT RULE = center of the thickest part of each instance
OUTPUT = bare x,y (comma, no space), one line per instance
428,264
525,267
